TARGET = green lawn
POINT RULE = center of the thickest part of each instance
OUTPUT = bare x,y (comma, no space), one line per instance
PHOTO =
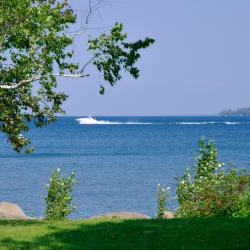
219,233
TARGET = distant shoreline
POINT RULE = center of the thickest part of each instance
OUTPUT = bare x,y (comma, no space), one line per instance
237,112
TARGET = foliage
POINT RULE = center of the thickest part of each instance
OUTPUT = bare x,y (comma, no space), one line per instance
59,199
113,54
36,47
162,195
210,190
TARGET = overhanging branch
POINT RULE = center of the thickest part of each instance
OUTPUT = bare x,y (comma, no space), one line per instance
17,85
36,78
72,76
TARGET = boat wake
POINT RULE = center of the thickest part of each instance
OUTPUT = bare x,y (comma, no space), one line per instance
92,121
205,123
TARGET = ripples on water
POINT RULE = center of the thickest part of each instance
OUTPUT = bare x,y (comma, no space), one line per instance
118,161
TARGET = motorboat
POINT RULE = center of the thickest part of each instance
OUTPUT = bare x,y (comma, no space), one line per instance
87,120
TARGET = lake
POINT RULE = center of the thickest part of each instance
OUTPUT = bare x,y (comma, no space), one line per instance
119,161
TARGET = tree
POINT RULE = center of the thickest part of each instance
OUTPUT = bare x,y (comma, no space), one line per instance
36,49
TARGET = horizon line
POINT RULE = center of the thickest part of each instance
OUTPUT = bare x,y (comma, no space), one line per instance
102,115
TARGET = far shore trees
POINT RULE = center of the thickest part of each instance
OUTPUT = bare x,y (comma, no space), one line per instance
36,48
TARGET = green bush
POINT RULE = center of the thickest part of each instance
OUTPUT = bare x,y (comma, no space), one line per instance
208,189
162,195
59,199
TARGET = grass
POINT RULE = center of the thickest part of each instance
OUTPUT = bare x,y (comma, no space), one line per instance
216,233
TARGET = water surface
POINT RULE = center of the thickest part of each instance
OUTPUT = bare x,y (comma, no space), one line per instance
119,161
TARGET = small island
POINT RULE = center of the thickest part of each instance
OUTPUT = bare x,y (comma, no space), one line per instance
240,111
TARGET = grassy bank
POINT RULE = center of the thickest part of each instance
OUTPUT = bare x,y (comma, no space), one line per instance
219,233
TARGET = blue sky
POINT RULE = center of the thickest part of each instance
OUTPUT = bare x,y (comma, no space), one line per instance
199,64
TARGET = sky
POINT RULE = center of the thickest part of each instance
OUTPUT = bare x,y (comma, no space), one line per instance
199,64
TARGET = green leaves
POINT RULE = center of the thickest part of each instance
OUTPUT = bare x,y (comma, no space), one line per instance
113,54
34,41
59,199
209,190
102,90
162,195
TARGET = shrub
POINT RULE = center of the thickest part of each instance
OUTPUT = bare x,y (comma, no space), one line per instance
209,190
59,199
162,195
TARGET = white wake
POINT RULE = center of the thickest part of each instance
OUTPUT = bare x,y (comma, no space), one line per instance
92,121
205,123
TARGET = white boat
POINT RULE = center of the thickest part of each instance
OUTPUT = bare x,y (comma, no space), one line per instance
87,120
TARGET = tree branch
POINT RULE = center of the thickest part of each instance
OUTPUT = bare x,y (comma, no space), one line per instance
83,29
88,62
92,8
16,85
72,75
36,78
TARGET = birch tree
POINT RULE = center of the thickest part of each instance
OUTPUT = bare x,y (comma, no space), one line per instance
36,50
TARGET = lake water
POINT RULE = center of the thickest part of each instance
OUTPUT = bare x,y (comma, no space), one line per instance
119,161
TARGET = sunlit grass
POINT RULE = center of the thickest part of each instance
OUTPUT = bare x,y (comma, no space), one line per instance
216,233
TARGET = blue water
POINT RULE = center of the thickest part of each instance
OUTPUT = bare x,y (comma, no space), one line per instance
118,166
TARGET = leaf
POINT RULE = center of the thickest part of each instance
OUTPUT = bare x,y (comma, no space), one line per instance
102,90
